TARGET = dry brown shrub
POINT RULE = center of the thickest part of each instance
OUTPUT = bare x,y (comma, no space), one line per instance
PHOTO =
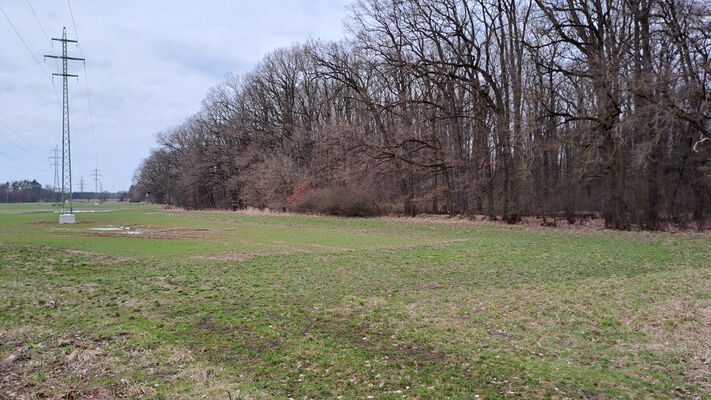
341,201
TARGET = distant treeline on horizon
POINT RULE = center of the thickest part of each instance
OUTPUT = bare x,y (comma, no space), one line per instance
26,191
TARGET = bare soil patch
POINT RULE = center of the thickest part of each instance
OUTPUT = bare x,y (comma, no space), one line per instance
11,371
150,232
42,223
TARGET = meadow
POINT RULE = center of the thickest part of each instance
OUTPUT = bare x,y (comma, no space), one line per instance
235,305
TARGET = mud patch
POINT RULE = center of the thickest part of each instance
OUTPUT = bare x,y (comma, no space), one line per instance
178,233
11,371
150,232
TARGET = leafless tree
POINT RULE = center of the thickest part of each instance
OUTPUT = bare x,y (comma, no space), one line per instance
497,107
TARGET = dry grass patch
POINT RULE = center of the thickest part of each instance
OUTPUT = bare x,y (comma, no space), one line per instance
243,255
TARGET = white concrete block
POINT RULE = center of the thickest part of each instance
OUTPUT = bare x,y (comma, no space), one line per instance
67,219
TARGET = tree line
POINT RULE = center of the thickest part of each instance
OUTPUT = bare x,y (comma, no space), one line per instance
24,191
550,108
31,191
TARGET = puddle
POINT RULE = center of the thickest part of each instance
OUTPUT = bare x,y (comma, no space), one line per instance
125,229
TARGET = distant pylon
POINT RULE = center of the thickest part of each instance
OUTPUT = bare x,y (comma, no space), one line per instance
66,143
96,174
81,184
55,157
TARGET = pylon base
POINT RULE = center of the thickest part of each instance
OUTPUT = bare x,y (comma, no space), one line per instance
67,219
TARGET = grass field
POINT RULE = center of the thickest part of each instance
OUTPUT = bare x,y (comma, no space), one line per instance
227,305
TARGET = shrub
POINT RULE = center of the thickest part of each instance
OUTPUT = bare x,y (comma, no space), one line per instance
299,193
340,201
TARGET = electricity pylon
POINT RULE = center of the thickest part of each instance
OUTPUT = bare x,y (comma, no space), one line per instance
66,142
96,174
55,157
81,184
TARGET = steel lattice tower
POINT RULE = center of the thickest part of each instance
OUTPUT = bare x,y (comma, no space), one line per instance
55,157
95,173
66,141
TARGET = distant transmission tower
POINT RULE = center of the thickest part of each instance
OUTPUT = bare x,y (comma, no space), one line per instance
81,184
66,143
55,157
96,174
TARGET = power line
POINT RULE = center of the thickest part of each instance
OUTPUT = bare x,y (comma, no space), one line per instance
26,160
30,153
45,73
8,140
17,135
20,163
91,113
86,83
76,34
21,138
8,167
23,42
43,31
19,168
27,47
38,21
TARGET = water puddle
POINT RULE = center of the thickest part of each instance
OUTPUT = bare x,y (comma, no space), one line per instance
124,229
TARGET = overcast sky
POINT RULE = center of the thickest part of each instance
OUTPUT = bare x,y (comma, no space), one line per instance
149,65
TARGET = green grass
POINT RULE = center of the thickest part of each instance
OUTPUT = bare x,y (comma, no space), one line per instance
291,306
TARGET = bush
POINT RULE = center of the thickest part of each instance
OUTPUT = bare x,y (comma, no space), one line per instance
340,201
